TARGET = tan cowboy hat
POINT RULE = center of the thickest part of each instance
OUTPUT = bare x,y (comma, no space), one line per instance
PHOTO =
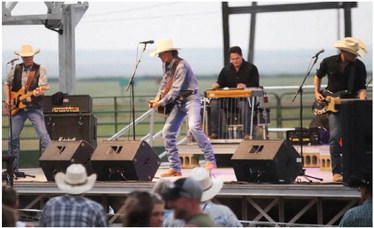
362,51
162,46
75,181
26,51
348,44
210,187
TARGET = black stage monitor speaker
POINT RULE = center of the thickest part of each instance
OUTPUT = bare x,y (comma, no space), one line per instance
357,138
59,155
125,160
266,161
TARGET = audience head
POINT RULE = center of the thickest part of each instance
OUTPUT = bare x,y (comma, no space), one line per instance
364,182
184,196
9,217
158,210
10,196
75,181
210,187
137,209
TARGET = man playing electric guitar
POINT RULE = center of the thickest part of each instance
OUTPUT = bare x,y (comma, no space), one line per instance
26,77
344,72
180,87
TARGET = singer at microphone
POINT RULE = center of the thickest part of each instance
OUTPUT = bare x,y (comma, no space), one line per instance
319,52
147,42
13,60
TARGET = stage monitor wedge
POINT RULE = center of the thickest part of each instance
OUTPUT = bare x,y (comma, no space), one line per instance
125,160
60,154
269,161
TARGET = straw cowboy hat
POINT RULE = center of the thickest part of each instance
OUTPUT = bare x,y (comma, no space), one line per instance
362,51
348,44
162,46
75,181
26,51
210,187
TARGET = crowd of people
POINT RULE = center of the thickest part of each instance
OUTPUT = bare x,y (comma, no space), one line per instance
185,202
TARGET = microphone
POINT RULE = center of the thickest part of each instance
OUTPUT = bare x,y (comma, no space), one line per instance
13,60
319,52
147,42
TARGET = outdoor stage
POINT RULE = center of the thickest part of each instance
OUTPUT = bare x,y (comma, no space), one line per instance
302,202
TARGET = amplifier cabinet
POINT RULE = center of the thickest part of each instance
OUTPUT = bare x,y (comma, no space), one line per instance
72,127
67,104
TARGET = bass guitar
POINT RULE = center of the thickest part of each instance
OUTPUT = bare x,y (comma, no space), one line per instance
17,99
332,100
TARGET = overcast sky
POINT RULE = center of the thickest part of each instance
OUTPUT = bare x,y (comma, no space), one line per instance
121,25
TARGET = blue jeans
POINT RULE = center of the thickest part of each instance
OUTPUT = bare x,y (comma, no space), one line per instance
18,121
335,125
189,107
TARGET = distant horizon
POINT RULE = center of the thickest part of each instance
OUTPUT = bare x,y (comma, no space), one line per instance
204,62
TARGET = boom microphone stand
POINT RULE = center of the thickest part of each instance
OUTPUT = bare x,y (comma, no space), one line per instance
131,85
300,91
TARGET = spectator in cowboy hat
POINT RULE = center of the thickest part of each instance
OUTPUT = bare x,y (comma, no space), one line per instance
73,209
184,196
220,214
361,216
344,73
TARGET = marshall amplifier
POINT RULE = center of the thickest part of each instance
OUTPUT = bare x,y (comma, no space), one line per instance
70,127
63,103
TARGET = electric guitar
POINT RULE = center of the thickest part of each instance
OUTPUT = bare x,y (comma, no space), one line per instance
164,109
331,102
17,99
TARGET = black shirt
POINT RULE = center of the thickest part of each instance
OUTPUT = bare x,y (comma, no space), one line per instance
338,78
247,74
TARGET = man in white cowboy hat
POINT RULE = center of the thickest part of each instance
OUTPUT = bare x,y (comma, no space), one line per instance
73,209
179,89
345,73
220,214
27,77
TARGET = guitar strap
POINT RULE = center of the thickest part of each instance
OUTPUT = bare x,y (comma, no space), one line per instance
171,77
30,77
351,79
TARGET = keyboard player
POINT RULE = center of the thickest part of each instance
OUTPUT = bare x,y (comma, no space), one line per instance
237,74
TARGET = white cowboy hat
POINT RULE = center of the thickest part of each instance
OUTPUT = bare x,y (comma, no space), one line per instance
362,51
348,44
26,51
75,181
210,187
162,46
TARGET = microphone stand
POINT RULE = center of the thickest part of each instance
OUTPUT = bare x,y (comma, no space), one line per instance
131,85
300,91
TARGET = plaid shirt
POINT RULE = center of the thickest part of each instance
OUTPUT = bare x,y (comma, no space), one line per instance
359,216
72,211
